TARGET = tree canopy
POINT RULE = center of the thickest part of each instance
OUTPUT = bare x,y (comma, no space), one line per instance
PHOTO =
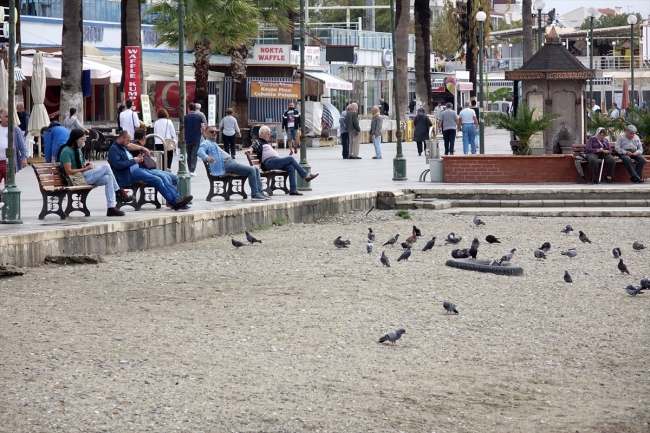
605,21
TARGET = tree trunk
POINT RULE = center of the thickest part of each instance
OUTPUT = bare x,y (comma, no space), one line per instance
238,70
527,24
131,24
71,59
423,53
287,37
402,21
202,54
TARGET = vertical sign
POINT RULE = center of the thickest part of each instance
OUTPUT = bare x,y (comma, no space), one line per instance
212,110
146,110
132,79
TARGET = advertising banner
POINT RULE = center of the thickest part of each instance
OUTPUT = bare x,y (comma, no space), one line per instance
132,75
275,89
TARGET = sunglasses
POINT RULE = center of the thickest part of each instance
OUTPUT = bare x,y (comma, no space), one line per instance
212,132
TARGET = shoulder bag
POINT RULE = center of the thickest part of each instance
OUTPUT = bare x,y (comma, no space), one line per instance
76,179
148,162
170,144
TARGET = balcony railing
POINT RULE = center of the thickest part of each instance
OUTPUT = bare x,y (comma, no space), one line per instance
616,62
93,10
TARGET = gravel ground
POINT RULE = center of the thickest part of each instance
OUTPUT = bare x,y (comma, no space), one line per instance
282,336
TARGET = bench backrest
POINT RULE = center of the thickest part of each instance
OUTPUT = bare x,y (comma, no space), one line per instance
49,175
581,148
253,161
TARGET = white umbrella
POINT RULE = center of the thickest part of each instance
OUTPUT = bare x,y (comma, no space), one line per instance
39,117
4,91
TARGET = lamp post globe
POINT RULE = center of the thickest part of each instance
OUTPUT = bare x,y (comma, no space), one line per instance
480,17
631,20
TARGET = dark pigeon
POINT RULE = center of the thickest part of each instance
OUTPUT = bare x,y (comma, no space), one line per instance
451,308
492,240
384,259
473,251
392,336
338,243
460,254
251,239
453,239
616,252
567,277
622,267
567,230
371,235
583,237
539,254
429,244
645,283
638,246
405,255
416,231
634,290
478,221
392,240
235,243
546,247
405,245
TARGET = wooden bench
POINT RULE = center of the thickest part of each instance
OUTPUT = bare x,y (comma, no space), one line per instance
273,179
54,189
580,149
225,185
143,193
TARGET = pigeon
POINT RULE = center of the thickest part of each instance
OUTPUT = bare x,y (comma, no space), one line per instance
634,290
508,256
416,231
638,246
370,210
567,277
616,252
539,254
583,237
251,239
236,244
412,239
478,221
546,247
347,242
492,240
452,239
451,308
474,248
622,267
460,254
392,240
571,252
369,247
392,336
567,229
338,243
405,255
371,235
645,283
384,259
429,244
405,245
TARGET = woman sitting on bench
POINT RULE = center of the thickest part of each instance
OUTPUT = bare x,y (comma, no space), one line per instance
598,148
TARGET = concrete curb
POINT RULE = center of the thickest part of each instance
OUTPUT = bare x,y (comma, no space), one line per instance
551,212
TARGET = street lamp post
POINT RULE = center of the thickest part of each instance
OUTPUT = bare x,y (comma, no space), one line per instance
184,185
631,20
302,184
492,52
499,48
539,5
399,162
593,12
510,51
480,17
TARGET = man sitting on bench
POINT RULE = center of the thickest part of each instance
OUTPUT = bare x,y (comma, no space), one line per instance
598,148
628,147
270,160
127,170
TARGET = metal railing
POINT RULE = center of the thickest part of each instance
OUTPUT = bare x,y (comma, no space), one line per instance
616,62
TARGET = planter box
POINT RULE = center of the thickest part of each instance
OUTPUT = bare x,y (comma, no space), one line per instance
312,141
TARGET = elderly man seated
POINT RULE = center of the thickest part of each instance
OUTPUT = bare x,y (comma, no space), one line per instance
221,162
270,160
629,148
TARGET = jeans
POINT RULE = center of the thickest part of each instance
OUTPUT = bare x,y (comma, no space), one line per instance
345,141
103,175
377,143
640,163
449,136
289,164
192,152
469,137
162,184
229,144
246,170
171,177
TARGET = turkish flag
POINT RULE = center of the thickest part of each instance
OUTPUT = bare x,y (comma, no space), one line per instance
167,95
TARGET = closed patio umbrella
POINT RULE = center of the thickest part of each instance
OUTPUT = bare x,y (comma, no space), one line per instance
625,101
4,91
39,117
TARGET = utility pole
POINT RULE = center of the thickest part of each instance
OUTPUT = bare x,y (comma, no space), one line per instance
184,185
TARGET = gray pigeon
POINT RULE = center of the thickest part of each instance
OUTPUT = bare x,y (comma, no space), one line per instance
392,240
638,246
474,248
567,277
235,243
429,244
546,247
478,221
369,247
539,254
405,255
616,252
622,267
251,239
571,252
393,336
384,259
451,308
508,256
645,283
453,239
567,229
583,237
338,243
634,290
460,254
371,235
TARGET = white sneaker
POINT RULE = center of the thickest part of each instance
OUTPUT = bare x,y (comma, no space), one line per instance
192,174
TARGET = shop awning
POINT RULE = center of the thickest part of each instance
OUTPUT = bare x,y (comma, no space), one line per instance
99,74
154,71
331,81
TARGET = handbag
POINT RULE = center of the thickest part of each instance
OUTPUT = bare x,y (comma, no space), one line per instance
147,162
170,143
76,179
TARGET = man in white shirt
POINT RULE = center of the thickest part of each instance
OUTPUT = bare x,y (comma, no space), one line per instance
469,123
128,119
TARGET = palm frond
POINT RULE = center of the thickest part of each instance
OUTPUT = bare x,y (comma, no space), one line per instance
524,125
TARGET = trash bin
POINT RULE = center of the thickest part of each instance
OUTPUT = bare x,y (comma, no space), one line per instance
435,170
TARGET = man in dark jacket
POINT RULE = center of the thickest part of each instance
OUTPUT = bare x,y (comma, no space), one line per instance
291,124
194,130
352,125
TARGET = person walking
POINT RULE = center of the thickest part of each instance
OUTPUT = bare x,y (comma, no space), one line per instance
375,131
165,128
421,134
194,131
291,125
352,125
383,107
345,137
23,116
469,124
449,124
128,119
72,122
229,128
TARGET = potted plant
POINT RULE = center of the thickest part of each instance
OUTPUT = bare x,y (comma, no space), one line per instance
613,127
643,131
524,126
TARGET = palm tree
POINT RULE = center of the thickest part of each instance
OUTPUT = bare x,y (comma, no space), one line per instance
71,58
131,33
423,52
467,27
527,24
402,21
524,125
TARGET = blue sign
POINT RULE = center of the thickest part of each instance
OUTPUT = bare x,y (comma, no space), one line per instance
387,58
